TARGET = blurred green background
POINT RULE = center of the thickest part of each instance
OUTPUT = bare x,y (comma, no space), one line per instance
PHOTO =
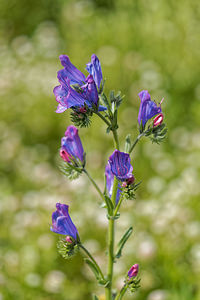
144,44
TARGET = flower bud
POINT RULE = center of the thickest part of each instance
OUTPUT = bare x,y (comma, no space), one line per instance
158,120
64,155
133,271
124,184
130,180
68,239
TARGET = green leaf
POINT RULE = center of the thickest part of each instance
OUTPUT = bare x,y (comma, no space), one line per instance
94,297
123,241
109,204
127,143
93,268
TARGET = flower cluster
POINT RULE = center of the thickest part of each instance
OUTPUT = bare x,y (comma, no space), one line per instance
76,90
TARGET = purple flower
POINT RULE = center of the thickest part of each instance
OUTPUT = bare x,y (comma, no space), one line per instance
62,223
110,181
148,108
133,271
67,96
94,68
71,146
120,164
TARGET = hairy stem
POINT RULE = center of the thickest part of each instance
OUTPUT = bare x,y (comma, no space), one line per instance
93,260
116,140
111,235
135,142
121,293
103,118
94,184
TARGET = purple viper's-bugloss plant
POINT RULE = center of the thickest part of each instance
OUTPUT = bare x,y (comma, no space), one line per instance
82,94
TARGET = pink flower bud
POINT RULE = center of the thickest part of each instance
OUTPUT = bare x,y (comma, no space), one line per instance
82,110
133,271
124,184
158,120
64,155
68,239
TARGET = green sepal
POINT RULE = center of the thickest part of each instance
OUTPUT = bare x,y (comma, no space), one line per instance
67,250
81,119
133,284
127,144
70,170
123,241
94,297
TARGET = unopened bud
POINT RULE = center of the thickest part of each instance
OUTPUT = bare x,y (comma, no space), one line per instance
82,110
130,180
158,120
124,184
133,271
68,239
64,155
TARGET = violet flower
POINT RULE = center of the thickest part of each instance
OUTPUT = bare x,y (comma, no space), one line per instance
62,223
148,108
94,68
109,183
71,146
87,93
120,164
133,271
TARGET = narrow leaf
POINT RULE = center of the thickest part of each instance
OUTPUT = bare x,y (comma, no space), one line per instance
94,297
109,204
93,268
123,241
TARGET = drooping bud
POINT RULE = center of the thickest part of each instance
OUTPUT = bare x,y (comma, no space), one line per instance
64,155
130,180
158,120
133,271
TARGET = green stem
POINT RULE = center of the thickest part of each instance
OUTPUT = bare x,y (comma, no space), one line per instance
136,141
111,234
116,139
94,184
93,260
118,206
103,118
122,292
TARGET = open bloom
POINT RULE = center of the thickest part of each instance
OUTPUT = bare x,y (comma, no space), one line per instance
133,271
148,108
87,92
110,181
71,146
120,164
62,223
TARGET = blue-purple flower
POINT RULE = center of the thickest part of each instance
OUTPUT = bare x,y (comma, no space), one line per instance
133,271
62,223
86,92
71,146
110,181
148,108
94,68
120,164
